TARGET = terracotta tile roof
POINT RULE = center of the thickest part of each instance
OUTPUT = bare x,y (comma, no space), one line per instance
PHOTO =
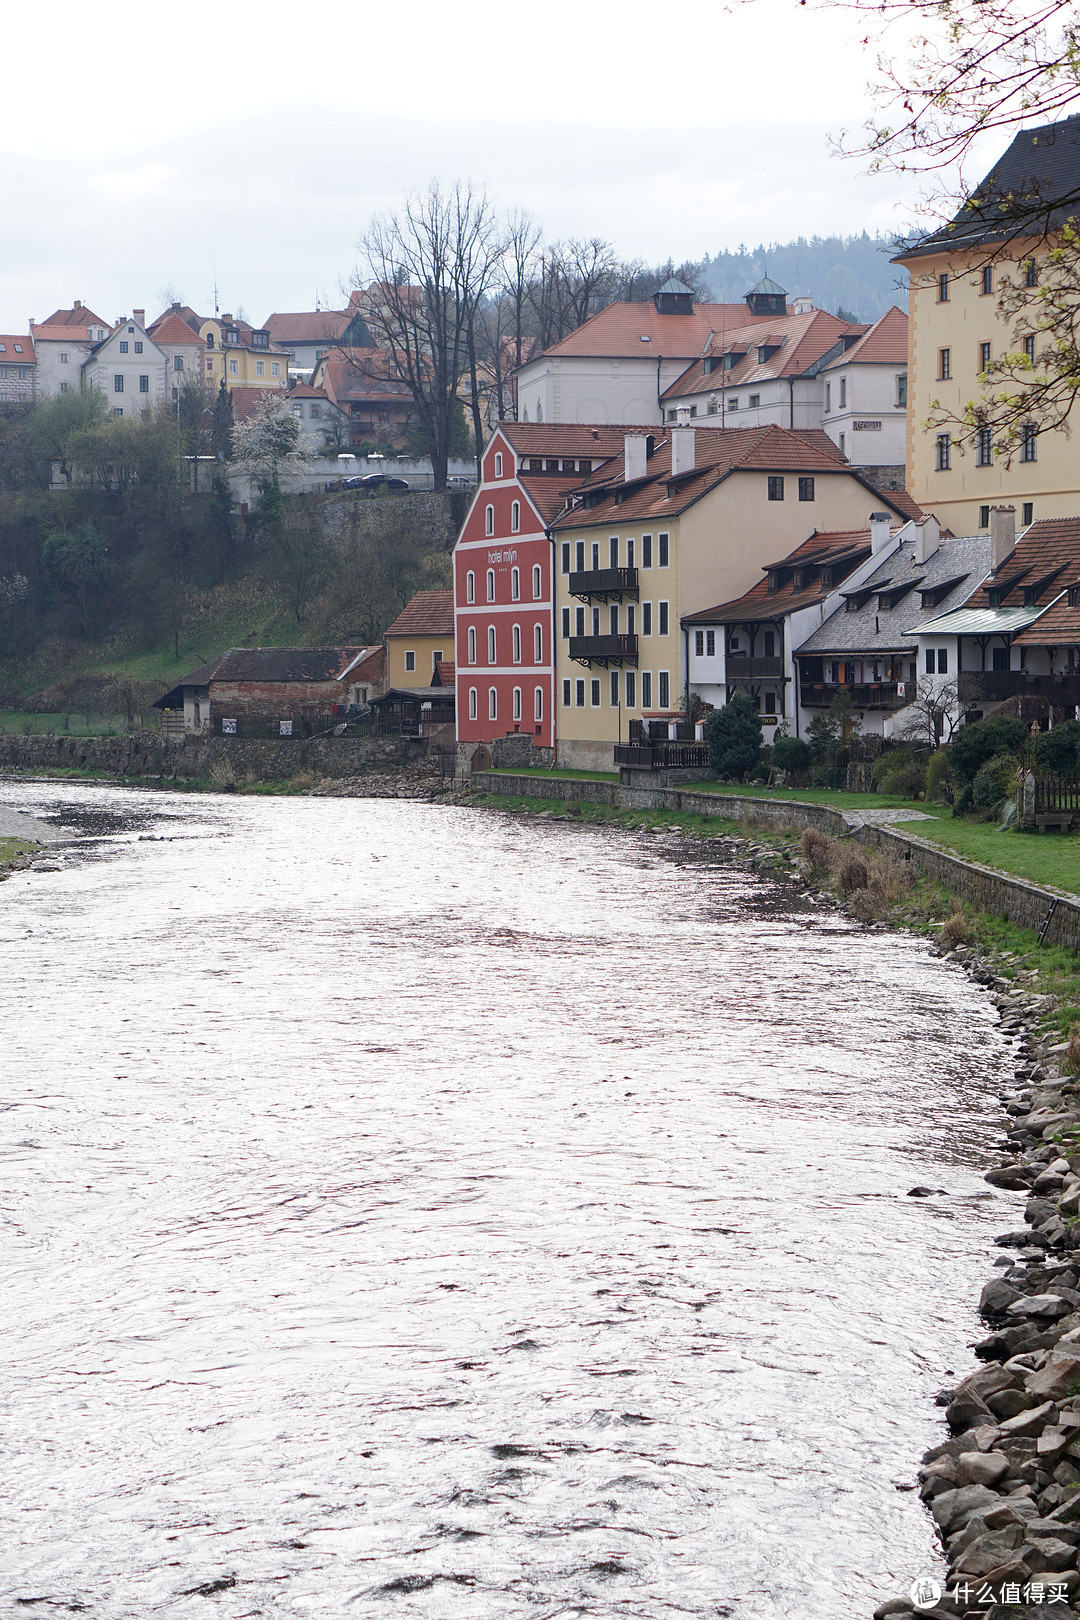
305,391
901,501
719,452
265,664
430,613
619,329
173,330
840,549
10,347
886,343
549,492
443,674
1046,559
186,314
246,398
580,439
359,374
309,326
799,341
63,334
79,316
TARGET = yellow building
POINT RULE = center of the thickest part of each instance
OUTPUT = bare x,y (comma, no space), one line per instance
956,328
420,637
671,527
240,356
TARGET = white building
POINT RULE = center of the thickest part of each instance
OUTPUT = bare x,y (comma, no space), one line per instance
128,368
183,350
18,366
617,366
62,345
864,409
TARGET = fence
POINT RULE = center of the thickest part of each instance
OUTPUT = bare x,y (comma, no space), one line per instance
664,756
1053,793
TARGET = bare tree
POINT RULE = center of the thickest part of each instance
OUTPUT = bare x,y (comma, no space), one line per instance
432,265
575,280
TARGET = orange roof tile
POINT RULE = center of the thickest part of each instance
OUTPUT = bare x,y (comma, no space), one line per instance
619,329
19,348
430,613
583,440
886,343
173,329
79,316
799,341
1046,559
827,549
309,326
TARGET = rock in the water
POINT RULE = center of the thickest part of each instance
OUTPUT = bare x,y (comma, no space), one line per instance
968,1411
921,1192
1042,1305
997,1296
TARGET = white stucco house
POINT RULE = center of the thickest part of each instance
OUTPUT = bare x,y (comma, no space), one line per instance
62,345
127,367
864,403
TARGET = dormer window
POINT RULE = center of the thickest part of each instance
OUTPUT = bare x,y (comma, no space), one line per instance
994,598
209,340
774,579
1074,595
1031,595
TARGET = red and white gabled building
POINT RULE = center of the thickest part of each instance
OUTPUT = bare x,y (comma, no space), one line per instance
503,585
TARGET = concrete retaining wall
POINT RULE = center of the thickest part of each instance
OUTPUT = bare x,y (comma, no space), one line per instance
1027,904
148,754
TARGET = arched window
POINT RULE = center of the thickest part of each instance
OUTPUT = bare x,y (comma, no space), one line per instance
472,702
538,703
498,463
491,584
517,645
538,644
470,586
515,584
538,583
493,703
491,643
515,516
517,702
472,644
489,520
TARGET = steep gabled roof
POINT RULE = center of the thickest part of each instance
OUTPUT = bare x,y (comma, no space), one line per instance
17,348
1022,194
430,613
797,340
309,326
885,343
636,330
79,316
873,627
173,330
1046,558
840,550
186,314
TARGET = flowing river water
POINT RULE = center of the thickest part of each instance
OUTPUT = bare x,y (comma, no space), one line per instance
415,1211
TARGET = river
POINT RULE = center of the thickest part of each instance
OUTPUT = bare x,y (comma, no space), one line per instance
420,1211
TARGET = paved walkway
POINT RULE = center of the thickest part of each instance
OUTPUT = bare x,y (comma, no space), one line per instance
13,824
883,818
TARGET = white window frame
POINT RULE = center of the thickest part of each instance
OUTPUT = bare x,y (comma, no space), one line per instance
516,702
491,584
472,703
493,703
498,464
537,582
489,520
491,644
516,645
538,644
470,586
538,702
515,517
515,585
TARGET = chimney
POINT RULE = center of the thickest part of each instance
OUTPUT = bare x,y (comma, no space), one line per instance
139,317
927,538
1002,535
683,444
78,303
175,308
635,456
880,529
802,306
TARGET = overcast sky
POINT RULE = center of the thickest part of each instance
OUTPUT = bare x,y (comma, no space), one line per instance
239,144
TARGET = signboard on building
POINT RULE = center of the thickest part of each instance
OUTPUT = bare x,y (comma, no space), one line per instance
866,427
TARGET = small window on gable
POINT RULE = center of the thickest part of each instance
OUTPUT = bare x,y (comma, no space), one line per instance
515,517
498,464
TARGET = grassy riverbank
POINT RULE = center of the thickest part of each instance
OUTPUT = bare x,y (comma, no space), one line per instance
12,850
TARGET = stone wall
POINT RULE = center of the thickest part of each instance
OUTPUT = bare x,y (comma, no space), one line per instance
1026,904
148,754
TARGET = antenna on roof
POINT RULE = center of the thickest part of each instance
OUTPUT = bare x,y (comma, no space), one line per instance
215,290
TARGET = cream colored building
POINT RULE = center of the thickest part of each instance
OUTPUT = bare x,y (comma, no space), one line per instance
420,637
956,326
678,523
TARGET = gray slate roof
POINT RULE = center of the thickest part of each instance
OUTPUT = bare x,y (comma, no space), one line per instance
873,630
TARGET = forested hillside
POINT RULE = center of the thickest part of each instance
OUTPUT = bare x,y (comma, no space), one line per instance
852,273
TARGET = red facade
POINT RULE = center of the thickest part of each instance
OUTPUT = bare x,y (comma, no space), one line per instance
503,609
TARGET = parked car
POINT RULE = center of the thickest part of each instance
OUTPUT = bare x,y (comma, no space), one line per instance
460,481
381,480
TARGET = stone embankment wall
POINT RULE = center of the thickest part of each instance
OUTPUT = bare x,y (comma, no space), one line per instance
1027,904
148,754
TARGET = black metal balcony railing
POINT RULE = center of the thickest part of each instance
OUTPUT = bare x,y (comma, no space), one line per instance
864,695
753,669
662,756
604,649
604,584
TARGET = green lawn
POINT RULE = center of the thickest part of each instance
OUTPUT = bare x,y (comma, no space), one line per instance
13,722
835,800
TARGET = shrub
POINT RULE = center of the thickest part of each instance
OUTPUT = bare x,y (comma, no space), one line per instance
977,743
940,780
851,872
902,774
1072,1051
1056,751
994,781
734,737
816,847
955,928
791,754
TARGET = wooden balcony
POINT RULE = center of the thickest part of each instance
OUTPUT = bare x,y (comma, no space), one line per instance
864,695
995,685
604,584
604,650
753,669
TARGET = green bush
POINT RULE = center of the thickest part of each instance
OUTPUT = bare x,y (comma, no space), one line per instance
733,735
791,754
994,781
940,781
976,744
900,773
1057,751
